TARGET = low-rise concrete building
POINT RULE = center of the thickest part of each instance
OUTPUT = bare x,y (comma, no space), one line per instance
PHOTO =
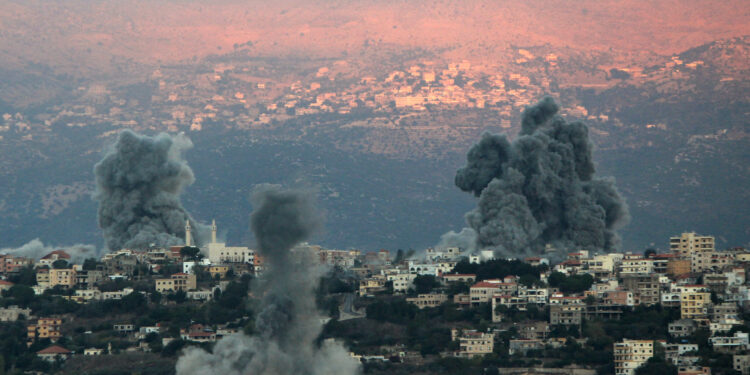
428,300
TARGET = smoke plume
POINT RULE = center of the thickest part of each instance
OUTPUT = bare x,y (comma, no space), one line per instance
138,187
540,189
466,240
35,249
288,324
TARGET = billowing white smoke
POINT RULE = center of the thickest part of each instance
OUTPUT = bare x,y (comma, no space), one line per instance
289,323
36,249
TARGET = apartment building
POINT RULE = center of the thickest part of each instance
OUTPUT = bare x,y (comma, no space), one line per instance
45,328
645,288
483,291
567,314
687,243
631,354
694,305
473,343
65,277
177,281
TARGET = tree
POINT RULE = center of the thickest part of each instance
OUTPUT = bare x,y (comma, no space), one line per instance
425,283
90,264
649,252
60,264
656,366
21,294
191,252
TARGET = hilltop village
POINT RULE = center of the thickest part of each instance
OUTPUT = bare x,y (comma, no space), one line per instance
682,311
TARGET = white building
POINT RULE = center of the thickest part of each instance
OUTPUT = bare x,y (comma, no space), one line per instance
631,354
401,282
219,252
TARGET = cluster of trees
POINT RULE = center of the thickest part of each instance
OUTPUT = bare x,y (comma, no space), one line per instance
500,268
570,284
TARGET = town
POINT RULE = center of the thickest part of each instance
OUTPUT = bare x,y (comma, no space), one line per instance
681,310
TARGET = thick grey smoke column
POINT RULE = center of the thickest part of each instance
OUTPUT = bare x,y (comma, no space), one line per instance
541,189
138,187
289,322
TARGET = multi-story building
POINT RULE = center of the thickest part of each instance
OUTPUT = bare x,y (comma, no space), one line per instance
566,314
730,344
741,363
635,265
645,288
631,354
537,296
401,282
534,330
678,267
682,327
473,343
673,352
687,243
42,277
87,278
45,328
483,291
12,264
177,281
65,277
694,305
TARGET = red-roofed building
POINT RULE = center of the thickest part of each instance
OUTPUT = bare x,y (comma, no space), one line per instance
54,352
50,258
5,285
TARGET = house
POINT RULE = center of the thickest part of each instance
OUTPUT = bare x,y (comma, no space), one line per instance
428,300
522,346
730,344
401,282
200,295
54,256
5,285
534,330
53,353
93,351
459,278
12,313
197,333
371,285
124,327
682,328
